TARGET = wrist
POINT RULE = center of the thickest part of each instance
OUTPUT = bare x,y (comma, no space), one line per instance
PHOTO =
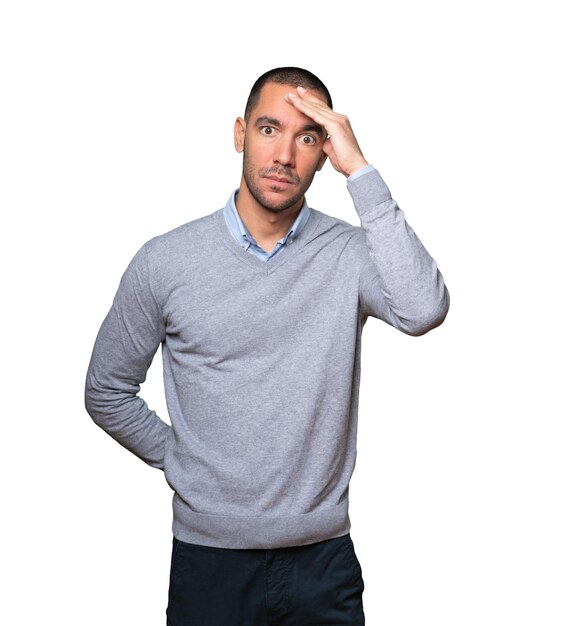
360,172
356,167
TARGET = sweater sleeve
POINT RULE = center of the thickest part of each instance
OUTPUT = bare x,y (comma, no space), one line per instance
399,282
125,346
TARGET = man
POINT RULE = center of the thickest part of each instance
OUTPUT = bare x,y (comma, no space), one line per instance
259,308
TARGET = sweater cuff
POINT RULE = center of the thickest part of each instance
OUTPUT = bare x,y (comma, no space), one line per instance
368,191
358,173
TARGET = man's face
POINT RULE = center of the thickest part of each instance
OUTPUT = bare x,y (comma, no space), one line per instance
282,150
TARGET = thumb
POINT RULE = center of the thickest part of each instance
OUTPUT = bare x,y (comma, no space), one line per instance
331,153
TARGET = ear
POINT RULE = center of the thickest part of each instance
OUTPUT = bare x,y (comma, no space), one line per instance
239,134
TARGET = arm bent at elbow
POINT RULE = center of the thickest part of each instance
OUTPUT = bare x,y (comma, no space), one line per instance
125,347
400,282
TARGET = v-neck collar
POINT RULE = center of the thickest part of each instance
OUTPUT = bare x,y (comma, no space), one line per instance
292,248
243,236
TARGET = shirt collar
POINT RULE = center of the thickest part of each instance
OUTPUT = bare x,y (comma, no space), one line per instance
241,234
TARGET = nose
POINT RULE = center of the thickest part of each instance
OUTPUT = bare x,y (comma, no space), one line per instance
284,153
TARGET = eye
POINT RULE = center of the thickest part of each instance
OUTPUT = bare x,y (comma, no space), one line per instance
309,140
267,130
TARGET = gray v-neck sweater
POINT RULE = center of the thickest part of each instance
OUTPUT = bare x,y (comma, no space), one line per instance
261,365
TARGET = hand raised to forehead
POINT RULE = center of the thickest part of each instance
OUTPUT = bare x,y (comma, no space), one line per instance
341,145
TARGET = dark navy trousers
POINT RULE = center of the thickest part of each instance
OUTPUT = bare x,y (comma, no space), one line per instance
310,585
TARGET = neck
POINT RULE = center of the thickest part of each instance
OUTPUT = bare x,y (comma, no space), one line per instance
265,225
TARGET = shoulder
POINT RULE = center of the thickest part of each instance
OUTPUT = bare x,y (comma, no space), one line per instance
183,237
329,222
336,229
344,243
178,251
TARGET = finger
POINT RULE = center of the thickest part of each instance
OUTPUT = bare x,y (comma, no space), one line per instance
306,95
328,148
312,101
318,104
313,108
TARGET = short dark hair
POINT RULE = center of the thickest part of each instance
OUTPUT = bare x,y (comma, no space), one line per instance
294,76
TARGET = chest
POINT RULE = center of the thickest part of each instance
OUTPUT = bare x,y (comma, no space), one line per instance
240,312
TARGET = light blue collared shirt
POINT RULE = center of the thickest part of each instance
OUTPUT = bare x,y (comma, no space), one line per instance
241,234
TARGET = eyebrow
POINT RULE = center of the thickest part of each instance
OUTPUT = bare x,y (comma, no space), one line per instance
272,121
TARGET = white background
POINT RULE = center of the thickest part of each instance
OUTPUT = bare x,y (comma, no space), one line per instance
116,125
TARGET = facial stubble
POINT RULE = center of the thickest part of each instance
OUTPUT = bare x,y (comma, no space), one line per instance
252,176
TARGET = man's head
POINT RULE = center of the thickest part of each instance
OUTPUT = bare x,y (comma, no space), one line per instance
283,148
292,76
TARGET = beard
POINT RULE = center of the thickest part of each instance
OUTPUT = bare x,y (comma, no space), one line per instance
275,201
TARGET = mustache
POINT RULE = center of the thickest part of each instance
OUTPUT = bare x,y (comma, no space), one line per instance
281,172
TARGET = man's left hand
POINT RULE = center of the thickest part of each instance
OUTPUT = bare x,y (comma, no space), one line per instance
341,145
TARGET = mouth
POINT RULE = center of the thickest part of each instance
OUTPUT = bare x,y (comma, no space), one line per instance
279,179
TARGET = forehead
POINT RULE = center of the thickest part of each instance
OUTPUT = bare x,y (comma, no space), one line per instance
272,102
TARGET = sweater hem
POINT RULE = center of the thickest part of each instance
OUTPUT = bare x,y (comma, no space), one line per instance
264,531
